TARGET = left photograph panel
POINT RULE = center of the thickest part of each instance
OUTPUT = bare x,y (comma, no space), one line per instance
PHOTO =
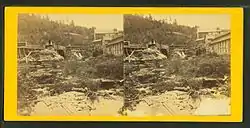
70,64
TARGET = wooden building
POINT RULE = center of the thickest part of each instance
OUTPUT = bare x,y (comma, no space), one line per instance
114,46
221,43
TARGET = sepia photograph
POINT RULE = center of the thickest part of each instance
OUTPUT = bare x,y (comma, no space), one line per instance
123,65
70,64
176,65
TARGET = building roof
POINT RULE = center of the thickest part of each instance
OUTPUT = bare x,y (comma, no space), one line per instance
73,47
223,34
107,38
104,33
219,36
110,42
134,46
205,31
108,31
178,33
73,34
199,39
98,40
76,34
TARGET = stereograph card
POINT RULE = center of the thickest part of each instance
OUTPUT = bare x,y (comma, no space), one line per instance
123,64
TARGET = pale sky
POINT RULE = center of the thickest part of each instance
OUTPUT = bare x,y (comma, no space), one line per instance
204,21
102,22
107,22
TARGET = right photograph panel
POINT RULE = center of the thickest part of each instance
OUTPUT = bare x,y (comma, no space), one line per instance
176,64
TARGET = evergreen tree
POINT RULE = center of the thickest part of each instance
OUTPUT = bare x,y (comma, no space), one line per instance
141,29
35,29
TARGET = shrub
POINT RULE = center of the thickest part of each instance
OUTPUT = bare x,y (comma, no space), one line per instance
86,71
70,67
202,66
97,52
166,86
217,66
195,84
25,94
112,69
92,85
172,66
104,66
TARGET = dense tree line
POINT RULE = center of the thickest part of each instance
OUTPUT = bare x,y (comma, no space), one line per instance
141,29
36,29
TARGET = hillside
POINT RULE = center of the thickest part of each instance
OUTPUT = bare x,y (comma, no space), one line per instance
141,29
38,30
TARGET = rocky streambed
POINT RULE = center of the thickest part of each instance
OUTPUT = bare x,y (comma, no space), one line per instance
166,104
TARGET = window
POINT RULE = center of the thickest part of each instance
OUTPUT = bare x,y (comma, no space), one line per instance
226,50
220,47
229,45
226,46
224,43
217,48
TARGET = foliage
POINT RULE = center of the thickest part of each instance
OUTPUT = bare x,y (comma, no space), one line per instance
228,90
70,67
36,29
111,68
216,66
201,66
142,29
163,86
25,94
103,66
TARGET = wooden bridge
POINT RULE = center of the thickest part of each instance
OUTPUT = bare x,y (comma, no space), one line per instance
25,50
129,48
